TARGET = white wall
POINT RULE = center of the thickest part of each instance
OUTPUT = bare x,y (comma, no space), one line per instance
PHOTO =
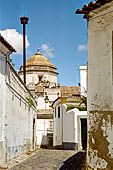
83,80
70,125
52,94
67,127
19,116
16,115
2,92
41,130
33,77
57,135
41,103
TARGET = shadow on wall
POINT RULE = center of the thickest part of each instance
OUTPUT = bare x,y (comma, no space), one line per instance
47,141
75,162
44,142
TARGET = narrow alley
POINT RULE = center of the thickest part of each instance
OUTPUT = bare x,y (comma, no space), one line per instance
44,159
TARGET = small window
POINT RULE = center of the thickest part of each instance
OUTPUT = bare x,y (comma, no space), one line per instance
55,112
58,111
40,78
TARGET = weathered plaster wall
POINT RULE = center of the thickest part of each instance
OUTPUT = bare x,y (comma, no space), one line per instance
100,88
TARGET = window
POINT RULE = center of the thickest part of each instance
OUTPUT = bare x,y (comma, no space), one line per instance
58,111
40,78
55,112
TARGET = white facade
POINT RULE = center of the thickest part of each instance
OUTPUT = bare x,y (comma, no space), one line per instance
42,129
33,77
42,80
67,126
83,80
17,117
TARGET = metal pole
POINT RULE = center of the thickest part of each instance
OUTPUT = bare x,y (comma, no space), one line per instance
24,21
24,53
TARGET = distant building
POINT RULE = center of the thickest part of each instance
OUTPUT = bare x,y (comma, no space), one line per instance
70,127
83,80
17,116
42,81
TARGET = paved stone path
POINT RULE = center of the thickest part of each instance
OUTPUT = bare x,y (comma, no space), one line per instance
75,162
45,159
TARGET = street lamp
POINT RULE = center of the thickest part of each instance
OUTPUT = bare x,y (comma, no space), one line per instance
24,21
46,99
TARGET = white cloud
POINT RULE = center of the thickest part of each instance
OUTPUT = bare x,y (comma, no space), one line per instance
15,39
48,50
82,47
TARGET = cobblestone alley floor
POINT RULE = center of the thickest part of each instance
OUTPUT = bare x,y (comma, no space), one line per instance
45,159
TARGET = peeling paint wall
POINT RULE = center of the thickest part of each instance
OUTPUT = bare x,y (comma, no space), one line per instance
100,88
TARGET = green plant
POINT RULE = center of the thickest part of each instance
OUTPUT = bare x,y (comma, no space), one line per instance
83,100
30,101
11,61
80,108
70,107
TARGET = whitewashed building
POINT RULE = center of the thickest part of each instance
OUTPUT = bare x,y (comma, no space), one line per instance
42,81
70,127
17,116
83,80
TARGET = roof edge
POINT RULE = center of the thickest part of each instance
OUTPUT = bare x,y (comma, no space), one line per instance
86,9
7,44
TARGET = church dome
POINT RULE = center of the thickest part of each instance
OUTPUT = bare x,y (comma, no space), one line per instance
38,63
39,60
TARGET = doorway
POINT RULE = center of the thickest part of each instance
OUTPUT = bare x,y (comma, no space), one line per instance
84,133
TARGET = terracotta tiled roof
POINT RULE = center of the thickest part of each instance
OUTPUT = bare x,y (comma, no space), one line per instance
91,6
7,44
67,91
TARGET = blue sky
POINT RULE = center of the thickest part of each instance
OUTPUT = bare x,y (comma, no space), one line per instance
54,28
